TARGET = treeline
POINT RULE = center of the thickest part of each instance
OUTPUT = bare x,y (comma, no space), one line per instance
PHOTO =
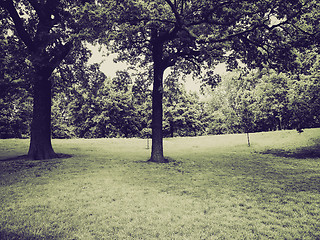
266,100
101,107
91,105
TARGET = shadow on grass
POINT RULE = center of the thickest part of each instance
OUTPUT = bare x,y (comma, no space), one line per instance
278,175
18,163
167,160
5,235
304,184
298,153
26,157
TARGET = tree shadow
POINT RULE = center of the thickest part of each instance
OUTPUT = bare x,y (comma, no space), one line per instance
167,160
26,157
6,235
263,175
23,162
298,153
311,183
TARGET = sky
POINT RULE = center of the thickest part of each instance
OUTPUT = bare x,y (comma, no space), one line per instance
109,67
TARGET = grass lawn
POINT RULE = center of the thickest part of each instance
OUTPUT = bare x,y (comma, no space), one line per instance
215,187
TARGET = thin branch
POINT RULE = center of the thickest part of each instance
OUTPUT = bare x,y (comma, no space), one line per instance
175,12
208,13
137,20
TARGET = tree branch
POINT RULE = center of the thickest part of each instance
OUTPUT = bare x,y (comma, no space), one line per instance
61,53
18,22
175,12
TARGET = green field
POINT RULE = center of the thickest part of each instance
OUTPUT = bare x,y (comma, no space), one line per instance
215,187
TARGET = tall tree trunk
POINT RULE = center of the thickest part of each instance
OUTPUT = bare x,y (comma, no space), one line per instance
157,94
40,142
157,115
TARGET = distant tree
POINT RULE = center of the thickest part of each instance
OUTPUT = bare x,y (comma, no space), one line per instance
15,98
142,101
271,96
71,75
244,110
95,106
304,91
252,101
227,104
264,99
182,110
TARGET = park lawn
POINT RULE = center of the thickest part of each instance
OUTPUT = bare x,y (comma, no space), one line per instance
214,187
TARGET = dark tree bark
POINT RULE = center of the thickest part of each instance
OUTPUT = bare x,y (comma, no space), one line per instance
40,142
46,51
157,96
157,117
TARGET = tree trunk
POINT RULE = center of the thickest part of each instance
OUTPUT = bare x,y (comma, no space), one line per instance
248,139
40,142
157,94
157,115
171,128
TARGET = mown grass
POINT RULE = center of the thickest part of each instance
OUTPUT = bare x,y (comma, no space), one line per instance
214,187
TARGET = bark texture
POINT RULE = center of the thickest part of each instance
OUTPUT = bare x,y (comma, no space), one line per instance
40,142
157,117
157,95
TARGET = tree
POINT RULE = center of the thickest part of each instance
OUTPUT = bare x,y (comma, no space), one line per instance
230,107
264,99
95,106
244,109
271,96
36,24
187,34
15,99
304,97
48,30
182,110
142,96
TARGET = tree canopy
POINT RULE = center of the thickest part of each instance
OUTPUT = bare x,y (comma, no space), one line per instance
183,35
45,32
188,35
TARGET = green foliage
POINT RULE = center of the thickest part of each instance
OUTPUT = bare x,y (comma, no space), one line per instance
192,35
97,106
265,100
15,117
305,102
182,111
15,102
198,32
